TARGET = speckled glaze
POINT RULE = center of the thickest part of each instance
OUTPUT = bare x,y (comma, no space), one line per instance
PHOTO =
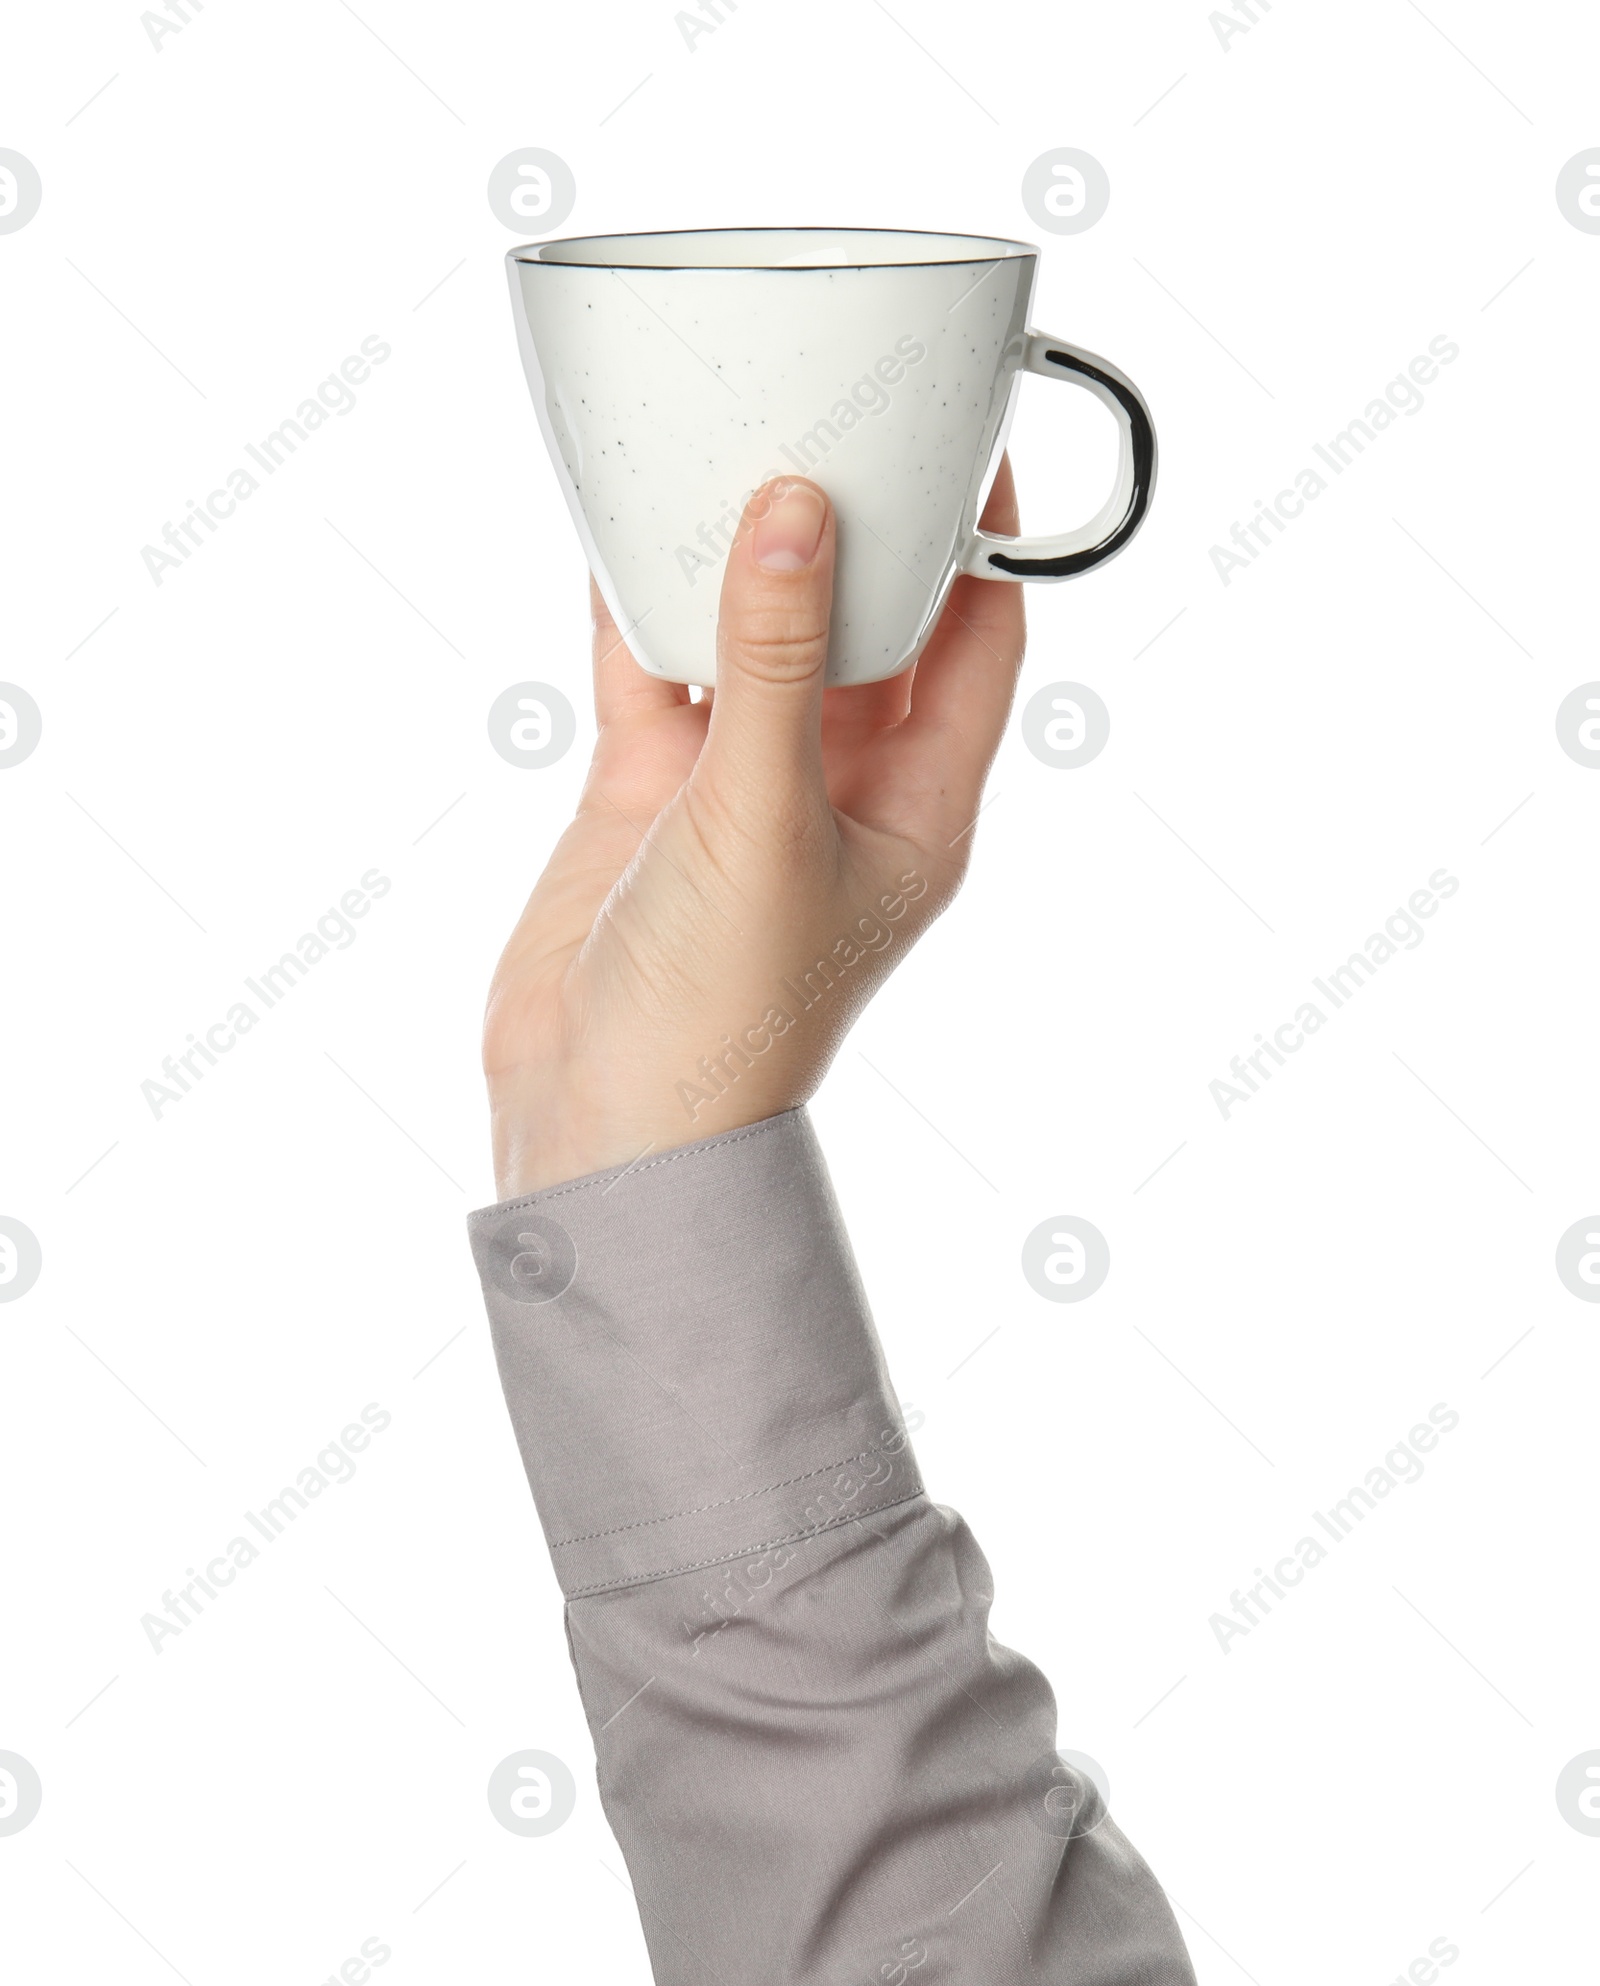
673,374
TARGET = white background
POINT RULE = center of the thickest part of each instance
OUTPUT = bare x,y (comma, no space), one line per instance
1291,755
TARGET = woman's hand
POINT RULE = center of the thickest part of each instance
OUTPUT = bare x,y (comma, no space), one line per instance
742,872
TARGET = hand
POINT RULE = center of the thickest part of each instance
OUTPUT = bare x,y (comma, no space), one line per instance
743,871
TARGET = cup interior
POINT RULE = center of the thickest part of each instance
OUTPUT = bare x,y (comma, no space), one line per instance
771,248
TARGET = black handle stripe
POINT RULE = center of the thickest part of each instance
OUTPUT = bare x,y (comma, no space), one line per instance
1144,458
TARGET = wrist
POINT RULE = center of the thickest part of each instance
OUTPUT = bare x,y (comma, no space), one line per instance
572,1136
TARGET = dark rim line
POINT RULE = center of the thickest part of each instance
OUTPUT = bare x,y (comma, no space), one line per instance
1144,455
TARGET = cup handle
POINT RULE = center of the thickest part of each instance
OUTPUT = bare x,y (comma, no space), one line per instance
1071,552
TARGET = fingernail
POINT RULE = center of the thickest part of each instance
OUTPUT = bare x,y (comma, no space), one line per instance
786,537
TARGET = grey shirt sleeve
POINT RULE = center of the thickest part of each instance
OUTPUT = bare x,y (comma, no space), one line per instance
814,1756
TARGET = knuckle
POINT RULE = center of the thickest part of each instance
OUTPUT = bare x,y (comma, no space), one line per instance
799,821
777,645
742,824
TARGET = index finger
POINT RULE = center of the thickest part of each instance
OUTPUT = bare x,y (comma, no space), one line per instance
961,692
621,687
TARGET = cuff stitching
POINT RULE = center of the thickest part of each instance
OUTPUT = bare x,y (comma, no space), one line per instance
722,1558
644,1523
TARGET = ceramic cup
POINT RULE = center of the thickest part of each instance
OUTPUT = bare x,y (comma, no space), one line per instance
674,374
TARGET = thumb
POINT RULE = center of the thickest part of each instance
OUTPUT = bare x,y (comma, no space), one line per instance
772,644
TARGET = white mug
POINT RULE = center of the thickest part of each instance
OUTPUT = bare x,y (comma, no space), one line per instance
674,374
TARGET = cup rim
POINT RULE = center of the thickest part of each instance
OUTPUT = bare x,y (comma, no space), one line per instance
530,254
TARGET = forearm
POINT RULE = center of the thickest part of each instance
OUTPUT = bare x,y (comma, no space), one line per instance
809,1746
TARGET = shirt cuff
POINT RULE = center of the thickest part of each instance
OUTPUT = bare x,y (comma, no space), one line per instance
688,1358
